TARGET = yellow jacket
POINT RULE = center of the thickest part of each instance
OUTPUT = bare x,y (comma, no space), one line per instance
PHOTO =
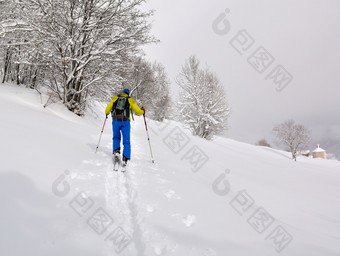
133,105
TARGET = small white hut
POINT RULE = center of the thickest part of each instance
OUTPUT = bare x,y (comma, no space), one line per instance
319,153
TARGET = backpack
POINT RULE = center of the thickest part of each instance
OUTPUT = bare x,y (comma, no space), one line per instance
121,108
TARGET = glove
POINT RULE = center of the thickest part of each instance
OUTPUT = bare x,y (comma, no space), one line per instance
142,108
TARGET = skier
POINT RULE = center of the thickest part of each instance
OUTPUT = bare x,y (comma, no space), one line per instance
120,108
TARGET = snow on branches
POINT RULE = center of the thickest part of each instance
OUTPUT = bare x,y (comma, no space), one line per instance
202,106
294,136
82,45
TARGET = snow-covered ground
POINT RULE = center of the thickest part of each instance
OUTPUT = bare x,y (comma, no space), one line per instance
223,197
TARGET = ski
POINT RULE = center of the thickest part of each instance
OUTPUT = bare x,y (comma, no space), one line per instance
123,167
116,162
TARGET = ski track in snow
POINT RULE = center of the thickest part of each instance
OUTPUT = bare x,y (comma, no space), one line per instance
135,219
118,192
122,199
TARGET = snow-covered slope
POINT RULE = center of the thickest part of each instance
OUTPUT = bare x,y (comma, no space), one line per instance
208,198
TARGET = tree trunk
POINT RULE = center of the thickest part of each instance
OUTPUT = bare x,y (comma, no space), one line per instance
17,74
7,59
34,79
73,97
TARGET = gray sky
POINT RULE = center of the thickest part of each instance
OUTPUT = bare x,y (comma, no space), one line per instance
301,35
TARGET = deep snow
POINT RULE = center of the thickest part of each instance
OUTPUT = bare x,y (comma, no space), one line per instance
219,197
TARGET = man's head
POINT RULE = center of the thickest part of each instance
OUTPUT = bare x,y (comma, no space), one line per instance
127,91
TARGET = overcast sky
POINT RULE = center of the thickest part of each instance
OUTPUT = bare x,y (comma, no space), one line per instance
301,36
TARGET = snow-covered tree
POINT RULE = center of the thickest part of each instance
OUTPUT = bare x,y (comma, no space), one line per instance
294,136
15,41
202,102
149,85
161,102
83,44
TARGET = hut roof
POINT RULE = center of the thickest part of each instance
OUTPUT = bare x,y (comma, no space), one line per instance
318,149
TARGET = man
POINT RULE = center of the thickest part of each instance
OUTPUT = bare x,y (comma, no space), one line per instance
120,108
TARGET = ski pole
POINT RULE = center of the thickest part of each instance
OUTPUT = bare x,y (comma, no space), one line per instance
101,133
147,133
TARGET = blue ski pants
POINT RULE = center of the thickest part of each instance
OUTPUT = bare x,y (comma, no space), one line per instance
121,128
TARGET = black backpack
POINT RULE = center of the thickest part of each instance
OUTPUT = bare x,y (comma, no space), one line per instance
121,108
